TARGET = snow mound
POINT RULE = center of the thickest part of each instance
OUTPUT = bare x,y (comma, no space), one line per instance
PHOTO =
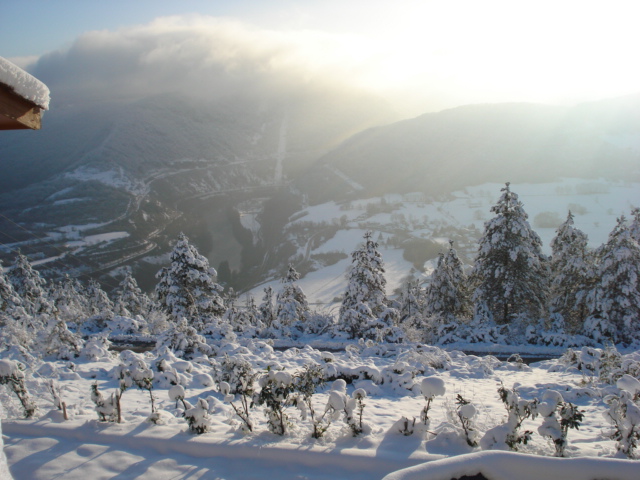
510,465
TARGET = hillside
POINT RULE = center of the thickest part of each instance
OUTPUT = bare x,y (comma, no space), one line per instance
110,184
437,153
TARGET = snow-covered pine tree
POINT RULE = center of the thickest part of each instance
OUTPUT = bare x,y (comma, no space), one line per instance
447,295
511,274
98,302
291,302
130,299
365,298
69,302
572,271
9,300
634,228
247,318
29,286
411,304
17,327
187,287
59,341
616,297
267,309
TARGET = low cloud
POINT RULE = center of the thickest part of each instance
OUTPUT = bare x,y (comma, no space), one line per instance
201,56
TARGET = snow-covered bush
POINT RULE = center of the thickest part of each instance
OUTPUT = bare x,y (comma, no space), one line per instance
508,435
431,387
605,364
276,394
126,325
558,417
466,413
624,415
235,376
183,340
108,409
97,347
306,383
318,323
165,375
134,371
61,342
12,375
353,412
351,408
198,417
177,394
58,403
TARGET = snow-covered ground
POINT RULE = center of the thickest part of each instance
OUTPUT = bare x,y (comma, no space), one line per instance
83,447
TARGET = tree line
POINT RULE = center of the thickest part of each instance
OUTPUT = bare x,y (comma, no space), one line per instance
513,293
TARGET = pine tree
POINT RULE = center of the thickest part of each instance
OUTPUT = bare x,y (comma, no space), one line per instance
291,302
511,273
68,301
572,270
447,295
130,297
411,304
187,287
634,228
29,286
98,302
16,326
266,308
617,295
9,300
365,299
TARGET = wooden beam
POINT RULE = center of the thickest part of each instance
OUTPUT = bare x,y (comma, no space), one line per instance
16,112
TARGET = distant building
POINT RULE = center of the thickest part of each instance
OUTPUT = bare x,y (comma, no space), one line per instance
23,98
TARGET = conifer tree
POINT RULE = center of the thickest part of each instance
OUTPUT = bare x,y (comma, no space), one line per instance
365,299
572,270
447,295
68,301
29,286
187,287
267,309
511,273
130,297
634,228
9,300
291,302
616,296
411,304
98,302
16,326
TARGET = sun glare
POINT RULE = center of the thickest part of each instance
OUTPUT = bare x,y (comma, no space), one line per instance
503,50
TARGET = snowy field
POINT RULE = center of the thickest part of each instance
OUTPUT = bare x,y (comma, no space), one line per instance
393,386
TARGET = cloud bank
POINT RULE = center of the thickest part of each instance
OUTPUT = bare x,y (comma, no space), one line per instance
204,57
421,55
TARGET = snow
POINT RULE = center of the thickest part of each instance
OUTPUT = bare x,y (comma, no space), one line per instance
509,465
83,447
99,238
24,84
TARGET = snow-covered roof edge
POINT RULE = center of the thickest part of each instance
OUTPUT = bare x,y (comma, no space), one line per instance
24,84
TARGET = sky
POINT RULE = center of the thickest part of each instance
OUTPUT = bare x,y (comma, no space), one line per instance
420,55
